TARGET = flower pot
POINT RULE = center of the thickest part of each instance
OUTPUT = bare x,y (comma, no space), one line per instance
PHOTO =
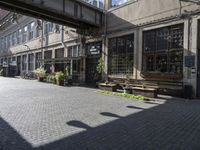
40,79
60,82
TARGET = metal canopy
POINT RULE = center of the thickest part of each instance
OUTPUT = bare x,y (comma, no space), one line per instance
73,13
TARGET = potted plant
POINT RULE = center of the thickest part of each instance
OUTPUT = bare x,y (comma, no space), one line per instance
1,72
60,78
51,78
40,73
127,87
100,71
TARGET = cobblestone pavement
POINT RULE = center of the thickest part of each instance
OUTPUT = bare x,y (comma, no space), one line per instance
39,116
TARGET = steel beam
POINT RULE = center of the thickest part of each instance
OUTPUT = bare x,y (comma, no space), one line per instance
73,13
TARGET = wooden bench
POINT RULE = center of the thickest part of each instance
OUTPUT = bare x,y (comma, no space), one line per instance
172,88
147,92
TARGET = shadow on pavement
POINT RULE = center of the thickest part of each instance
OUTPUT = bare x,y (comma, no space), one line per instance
172,125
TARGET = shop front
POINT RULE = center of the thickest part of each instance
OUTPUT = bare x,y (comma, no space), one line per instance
93,51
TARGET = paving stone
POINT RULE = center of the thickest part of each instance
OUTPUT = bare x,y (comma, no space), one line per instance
39,116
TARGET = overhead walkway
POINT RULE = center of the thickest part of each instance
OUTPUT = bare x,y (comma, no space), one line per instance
73,13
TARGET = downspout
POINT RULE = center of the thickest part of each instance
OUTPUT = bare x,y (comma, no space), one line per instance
62,32
180,8
62,37
42,44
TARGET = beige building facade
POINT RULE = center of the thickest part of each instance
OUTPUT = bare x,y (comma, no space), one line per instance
154,42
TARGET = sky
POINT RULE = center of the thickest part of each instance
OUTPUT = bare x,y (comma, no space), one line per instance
118,2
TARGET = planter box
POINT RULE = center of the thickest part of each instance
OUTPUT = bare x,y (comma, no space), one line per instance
108,87
146,92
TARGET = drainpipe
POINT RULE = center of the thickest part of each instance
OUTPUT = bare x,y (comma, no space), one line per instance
42,44
62,37
180,8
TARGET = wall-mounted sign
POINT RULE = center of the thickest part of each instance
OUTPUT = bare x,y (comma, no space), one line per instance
94,50
189,61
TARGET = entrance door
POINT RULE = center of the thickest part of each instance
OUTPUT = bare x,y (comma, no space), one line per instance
198,62
91,72
18,65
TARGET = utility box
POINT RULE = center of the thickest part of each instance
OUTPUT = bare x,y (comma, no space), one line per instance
187,92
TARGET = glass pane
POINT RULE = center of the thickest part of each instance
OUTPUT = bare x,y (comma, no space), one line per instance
162,39
149,41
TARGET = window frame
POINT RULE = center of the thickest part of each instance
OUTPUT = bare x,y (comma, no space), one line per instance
118,61
161,52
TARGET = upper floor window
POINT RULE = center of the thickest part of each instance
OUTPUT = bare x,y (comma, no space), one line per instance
48,27
4,43
14,38
8,41
25,33
19,36
74,51
31,30
1,44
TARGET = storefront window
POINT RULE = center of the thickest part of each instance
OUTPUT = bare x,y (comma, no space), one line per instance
30,62
48,54
24,62
163,50
59,53
121,55
38,57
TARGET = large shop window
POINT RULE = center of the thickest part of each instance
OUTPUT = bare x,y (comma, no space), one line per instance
30,62
59,53
121,55
38,57
163,50
24,62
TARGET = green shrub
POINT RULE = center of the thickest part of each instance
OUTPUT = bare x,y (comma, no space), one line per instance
131,96
100,66
59,76
40,72
51,78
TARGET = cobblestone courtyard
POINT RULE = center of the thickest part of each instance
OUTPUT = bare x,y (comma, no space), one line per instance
43,116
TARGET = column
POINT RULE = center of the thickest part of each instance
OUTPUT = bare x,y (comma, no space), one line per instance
105,57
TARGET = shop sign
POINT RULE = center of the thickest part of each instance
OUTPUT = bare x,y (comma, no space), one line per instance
94,50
